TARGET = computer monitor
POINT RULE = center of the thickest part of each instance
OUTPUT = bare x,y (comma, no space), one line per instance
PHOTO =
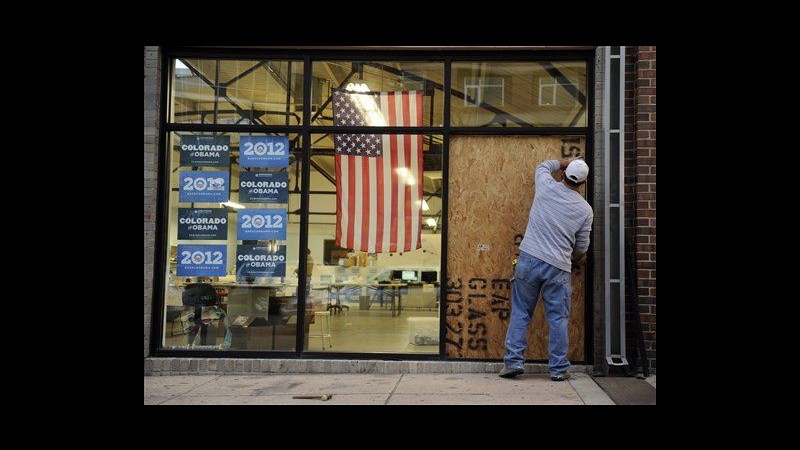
409,275
428,276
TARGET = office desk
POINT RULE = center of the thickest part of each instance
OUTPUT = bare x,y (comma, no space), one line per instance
392,291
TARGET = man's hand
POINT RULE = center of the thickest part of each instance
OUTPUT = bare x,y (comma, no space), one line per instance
579,259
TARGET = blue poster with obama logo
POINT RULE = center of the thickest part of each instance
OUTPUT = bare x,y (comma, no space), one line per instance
264,187
206,187
263,151
202,260
203,224
205,150
260,261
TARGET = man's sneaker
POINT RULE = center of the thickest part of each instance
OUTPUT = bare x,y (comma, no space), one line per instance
560,377
511,373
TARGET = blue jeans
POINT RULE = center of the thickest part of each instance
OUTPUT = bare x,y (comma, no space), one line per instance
531,277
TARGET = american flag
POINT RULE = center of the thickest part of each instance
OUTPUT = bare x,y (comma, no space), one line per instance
378,177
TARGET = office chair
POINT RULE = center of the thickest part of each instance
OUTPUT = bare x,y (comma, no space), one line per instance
197,296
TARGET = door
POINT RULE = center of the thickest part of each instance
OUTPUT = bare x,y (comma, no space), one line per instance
491,188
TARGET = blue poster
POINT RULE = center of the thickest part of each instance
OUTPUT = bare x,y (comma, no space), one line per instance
263,151
260,261
210,224
205,150
261,224
207,187
263,187
202,260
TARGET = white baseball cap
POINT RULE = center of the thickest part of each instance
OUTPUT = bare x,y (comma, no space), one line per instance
577,170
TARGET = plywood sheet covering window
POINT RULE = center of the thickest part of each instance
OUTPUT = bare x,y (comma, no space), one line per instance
491,190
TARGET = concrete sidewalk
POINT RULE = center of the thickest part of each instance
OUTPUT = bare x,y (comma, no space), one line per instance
373,389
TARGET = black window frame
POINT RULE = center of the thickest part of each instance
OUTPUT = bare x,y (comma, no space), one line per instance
308,56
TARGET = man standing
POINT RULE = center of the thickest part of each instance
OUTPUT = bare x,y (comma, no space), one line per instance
558,230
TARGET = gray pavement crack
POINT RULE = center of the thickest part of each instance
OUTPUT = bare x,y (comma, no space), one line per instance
393,389
190,390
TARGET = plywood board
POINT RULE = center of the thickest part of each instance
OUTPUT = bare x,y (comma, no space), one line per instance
491,187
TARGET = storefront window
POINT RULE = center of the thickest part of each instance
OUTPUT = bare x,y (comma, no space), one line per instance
233,236
375,235
519,94
234,92
390,93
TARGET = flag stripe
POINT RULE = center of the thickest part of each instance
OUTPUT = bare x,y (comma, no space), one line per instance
365,204
392,119
341,205
407,154
351,204
373,204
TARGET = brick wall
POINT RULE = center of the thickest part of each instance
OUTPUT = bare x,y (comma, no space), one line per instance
640,182
152,91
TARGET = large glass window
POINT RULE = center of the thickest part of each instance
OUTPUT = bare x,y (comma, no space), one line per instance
234,92
392,93
233,236
375,236
513,94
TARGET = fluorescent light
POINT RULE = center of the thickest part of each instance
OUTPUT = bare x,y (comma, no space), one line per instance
231,204
180,65
430,221
425,206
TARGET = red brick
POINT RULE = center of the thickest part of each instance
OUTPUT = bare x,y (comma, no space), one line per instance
642,82
646,143
646,108
645,91
642,248
643,291
642,152
653,205
646,124
646,161
643,170
646,178
653,170
648,317
642,134
653,290
645,73
644,64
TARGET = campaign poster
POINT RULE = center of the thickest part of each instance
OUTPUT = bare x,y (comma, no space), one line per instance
202,260
203,224
260,261
205,150
263,187
263,151
261,224
205,187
